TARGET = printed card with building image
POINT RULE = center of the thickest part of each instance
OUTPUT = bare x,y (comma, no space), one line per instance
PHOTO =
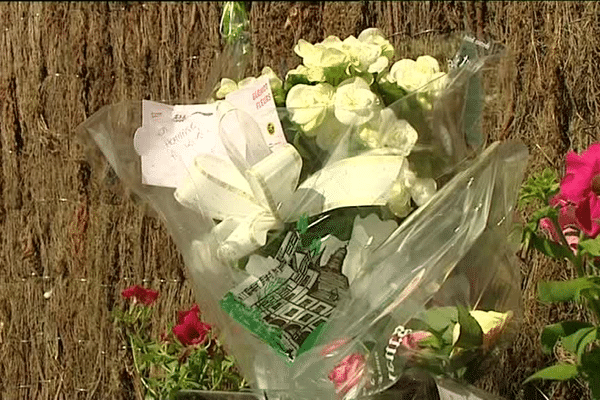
285,305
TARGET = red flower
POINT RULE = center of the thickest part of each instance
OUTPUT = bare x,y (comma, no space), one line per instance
138,293
191,330
347,374
182,314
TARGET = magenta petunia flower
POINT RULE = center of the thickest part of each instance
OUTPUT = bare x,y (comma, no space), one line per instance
582,177
571,234
140,294
566,212
588,215
191,331
579,192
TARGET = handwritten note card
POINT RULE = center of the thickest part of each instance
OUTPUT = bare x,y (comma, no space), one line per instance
171,137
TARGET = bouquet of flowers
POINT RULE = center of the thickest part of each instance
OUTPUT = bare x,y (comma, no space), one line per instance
343,224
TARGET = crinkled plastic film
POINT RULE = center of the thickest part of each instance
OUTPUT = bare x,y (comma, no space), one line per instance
454,250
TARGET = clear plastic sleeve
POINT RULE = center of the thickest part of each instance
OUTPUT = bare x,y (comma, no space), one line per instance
451,253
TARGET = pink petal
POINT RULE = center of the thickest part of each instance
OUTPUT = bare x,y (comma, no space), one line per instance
588,217
547,226
572,237
582,212
411,341
333,346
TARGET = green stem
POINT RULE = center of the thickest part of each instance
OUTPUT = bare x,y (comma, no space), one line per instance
137,368
561,235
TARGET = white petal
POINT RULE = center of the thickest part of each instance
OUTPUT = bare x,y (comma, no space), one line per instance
304,48
354,102
399,202
274,81
397,133
379,65
227,86
246,82
427,65
422,190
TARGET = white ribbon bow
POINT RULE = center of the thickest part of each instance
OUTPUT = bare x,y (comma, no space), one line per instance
250,200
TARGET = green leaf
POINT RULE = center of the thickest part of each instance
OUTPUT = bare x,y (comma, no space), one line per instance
390,92
590,369
539,187
302,225
437,319
432,342
563,291
552,333
558,372
551,248
544,212
530,230
315,246
577,342
591,246
471,334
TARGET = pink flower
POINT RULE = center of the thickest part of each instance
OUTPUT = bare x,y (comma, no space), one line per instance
190,330
580,189
567,219
588,215
412,340
138,293
547,226
348,373
566,211
582,177
572,237
331,347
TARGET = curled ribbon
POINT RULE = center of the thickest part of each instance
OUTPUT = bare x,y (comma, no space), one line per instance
258,191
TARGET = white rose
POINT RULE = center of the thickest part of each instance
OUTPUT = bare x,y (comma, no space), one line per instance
355,103
421,189
364,57
227,86
274,81
387,130
327,54
329,132
408,186
311,74
308,105
375,36
399,201
412,75
397,133
246,82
